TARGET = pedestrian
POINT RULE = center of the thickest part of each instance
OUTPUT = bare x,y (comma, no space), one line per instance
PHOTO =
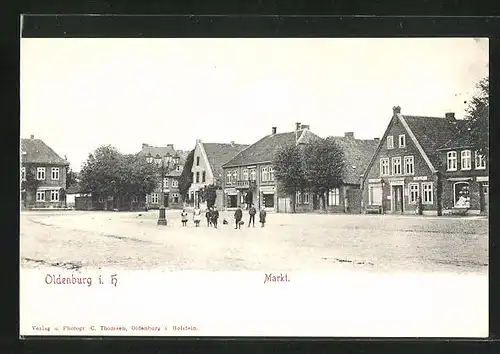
196,216
252,211
184,217
262,216
238,214
215,216
208,215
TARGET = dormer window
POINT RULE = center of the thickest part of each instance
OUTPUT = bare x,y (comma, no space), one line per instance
390,142
402,141
149,159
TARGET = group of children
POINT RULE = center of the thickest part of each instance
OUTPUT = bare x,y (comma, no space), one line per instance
212,216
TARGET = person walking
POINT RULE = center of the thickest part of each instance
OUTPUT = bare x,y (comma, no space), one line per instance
184,217
208,216
197,216
252,211
262,216
215,216
238,214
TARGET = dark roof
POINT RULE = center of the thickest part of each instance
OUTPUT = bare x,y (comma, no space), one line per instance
162,151
464,138
264,149
75,189
432,133
219,154
39,152
357,156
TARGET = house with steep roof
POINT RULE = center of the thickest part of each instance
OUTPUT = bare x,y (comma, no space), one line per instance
207,167
43,175
403,175
173,162
249,176
465,175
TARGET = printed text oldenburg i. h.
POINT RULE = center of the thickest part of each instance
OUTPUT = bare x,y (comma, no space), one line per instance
57,279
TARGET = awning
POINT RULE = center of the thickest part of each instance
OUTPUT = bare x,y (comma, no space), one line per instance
54,188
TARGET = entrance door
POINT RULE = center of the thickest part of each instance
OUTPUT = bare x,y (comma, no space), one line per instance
165,200
486,198
398,199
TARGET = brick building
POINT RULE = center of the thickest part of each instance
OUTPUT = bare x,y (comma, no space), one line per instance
465,182
207,167
47,170
406,165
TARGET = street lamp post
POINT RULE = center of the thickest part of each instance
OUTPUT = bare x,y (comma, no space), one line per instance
162,220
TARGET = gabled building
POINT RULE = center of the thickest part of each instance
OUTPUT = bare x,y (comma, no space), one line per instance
207,167
465,182
346,198
405,167
44,168
249,176
173,162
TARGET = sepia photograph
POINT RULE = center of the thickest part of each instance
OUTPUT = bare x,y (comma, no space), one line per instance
332,187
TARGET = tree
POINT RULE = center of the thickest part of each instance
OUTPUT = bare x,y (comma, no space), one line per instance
323,166
30,183
70,177
477,113
186,177
289,172
209,194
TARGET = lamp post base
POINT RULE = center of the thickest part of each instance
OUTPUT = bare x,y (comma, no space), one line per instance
162,219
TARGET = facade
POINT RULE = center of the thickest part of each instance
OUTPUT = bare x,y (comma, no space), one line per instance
207,167
42,168
404,172
465,182
249,176
347,198
173,163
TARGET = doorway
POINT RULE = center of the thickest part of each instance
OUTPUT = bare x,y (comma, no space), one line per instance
165,200
397,196
485,200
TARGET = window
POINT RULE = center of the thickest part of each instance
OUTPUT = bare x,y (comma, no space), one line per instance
228,177
306,198
23,173
409,165
298,198
175,183
253,174
451,160
427,193
149,159
402,141
461,195
100,199
414,192
480,161
197,177
271,173
55,173
235,175
178,167
40,196
375,194
203,176
197,161
158,161
54,196
165,183
245,174
390,142
154,198
135,199
396,165
265,174
334,197
175,198
466,160
384,166
40,173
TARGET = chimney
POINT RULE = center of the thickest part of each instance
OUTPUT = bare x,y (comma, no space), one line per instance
349,135
274,130
396,110
198,141
450,116
297,126
32,137
144,145
376,139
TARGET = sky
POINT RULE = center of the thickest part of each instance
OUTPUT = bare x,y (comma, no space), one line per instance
78,94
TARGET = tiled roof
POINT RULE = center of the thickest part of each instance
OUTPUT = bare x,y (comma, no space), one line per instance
39,152
75,189
432,133
264,149
464,138
162,151
357,156
219,154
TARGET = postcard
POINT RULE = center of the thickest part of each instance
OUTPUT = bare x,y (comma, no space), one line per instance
260,187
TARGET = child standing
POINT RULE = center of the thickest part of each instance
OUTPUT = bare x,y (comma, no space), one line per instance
184,217
196,216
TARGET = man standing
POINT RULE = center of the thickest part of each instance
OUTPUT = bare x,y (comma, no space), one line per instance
215,216
238,214
262,216
252,213
208,216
